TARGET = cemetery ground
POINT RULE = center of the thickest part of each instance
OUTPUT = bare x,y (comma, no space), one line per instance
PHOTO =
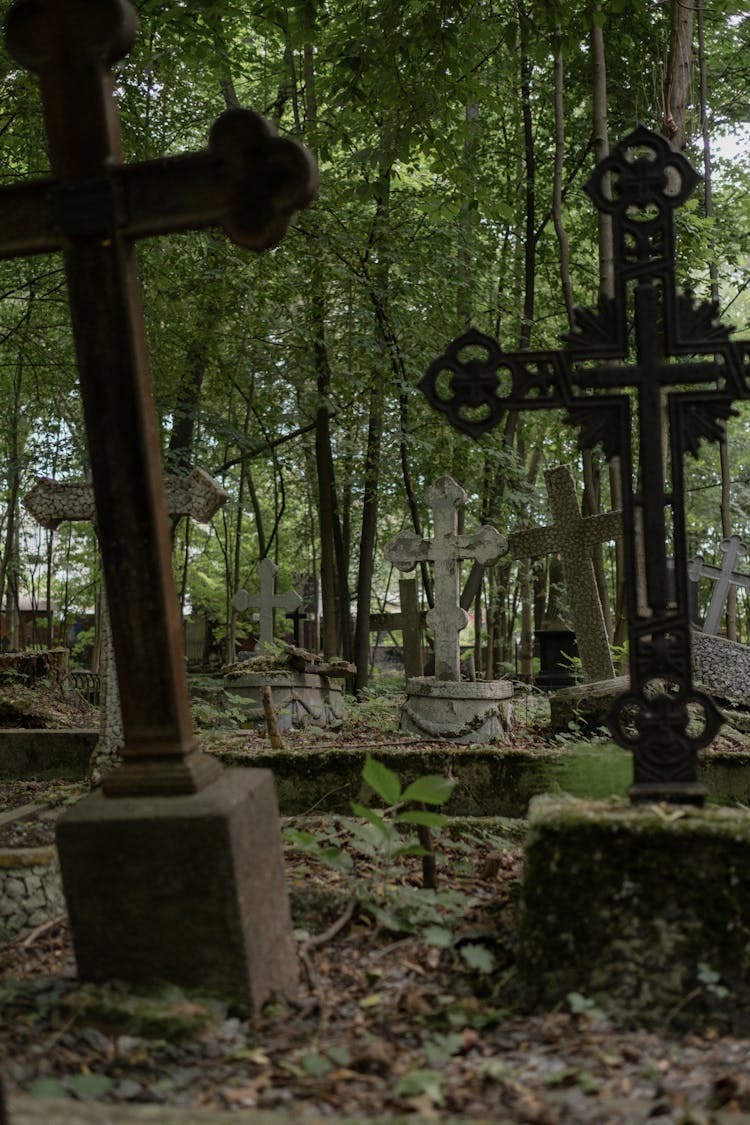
406,1006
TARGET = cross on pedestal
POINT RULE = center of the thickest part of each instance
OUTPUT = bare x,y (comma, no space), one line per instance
663,719
52,502
93,210
267,601
175,872
445,550
574,537
723,576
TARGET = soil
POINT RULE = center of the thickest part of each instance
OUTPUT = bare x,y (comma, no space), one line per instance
397,1013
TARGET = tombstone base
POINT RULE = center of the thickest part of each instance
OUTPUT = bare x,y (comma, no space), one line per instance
645,914
184,889
453,711
299,698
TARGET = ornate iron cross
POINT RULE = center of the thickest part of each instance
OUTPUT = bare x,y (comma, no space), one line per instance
94,209
649,345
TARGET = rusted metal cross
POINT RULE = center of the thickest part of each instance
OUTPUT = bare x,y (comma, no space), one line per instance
93,209
662,718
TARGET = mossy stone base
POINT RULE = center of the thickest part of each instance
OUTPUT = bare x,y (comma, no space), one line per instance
644,910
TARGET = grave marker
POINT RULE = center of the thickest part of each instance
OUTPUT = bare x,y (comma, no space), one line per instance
201,900
267,601
574,537
445,550
723,577
474,383
52,502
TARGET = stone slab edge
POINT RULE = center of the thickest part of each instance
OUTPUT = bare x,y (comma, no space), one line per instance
42,1111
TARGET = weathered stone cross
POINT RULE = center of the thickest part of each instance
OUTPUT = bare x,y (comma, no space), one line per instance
267,600
445,550
724,577
574,537
604,371
51,502
94,209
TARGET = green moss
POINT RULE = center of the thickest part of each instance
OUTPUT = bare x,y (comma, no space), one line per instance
644,909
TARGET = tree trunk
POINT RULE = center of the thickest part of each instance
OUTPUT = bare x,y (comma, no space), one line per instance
374,429
678,80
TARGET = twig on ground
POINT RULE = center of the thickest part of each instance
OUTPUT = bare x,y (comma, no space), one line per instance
272,722
37,932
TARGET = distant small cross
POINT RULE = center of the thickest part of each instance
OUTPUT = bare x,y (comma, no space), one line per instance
267,600
724,577
574,537
93,209
445,550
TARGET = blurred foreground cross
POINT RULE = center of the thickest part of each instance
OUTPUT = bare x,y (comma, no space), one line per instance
94,209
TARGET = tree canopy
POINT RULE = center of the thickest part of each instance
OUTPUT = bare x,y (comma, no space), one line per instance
453,141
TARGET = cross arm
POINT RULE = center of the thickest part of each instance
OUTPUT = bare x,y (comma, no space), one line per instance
532,541
249,181
602,527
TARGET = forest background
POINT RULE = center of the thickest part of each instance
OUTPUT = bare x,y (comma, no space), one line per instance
453,140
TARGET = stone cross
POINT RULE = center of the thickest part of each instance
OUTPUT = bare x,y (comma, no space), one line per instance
93,209
445,551
574,537
724,577
51,502
646,348
267,600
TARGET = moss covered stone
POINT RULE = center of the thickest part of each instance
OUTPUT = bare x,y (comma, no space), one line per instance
645,910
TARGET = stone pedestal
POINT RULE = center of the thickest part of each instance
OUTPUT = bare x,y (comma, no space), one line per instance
299,698
644,910
457,711
185,889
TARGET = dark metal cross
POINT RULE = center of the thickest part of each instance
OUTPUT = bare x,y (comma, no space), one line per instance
93,209
658,348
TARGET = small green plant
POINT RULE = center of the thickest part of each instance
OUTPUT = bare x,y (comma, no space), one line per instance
382,838
710,980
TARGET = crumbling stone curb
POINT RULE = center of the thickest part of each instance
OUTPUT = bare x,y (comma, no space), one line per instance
30,890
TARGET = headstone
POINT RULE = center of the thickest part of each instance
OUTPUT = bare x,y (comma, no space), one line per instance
724,577
677,354
574,538
267,601
51,503
445,550
442,707
201,900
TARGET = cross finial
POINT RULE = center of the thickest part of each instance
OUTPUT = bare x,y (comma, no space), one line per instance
267,600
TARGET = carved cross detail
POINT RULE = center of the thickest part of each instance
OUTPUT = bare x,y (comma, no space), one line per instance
445,550
93,209
574,537
267,600
723,576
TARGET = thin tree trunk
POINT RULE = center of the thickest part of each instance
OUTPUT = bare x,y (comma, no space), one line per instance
679,72
374,431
